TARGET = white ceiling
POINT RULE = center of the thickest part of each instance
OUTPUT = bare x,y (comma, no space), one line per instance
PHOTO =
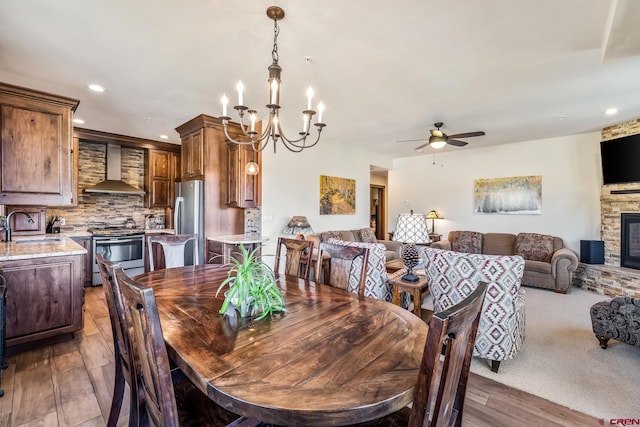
517,69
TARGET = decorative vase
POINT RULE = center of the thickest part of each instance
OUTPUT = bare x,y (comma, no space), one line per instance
410,257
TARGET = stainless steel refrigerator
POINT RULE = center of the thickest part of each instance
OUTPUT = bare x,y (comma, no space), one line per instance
189,216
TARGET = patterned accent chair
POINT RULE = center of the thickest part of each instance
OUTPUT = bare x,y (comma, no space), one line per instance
618,319
377,281
453,276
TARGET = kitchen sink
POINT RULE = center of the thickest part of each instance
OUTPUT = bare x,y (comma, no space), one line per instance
40,240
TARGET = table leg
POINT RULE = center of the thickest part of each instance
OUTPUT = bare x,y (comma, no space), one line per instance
417,302
396,295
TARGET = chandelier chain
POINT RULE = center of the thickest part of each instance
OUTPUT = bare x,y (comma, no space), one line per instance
276,31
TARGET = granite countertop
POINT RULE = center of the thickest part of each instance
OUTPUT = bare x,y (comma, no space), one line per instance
159,230
39,246
236,239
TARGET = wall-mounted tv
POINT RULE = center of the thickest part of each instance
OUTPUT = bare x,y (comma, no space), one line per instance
621,160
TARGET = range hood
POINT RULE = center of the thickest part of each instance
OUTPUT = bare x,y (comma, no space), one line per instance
114,184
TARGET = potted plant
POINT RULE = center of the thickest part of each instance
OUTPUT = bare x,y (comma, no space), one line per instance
251,287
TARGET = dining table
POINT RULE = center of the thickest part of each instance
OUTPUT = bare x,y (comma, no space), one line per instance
333,358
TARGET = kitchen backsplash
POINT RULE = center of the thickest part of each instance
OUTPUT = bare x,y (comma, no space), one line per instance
94,208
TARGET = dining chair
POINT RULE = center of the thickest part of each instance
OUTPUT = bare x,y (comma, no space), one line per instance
165,403
442,381
295,250
123,365
173,249
348,266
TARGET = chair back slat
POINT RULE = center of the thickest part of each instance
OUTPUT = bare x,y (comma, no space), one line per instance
295,250
173,248
148,348
442,382
344,267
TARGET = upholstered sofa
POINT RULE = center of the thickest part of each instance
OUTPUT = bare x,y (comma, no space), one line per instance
393,250
548,264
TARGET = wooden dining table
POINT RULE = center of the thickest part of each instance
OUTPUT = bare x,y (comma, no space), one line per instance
334,358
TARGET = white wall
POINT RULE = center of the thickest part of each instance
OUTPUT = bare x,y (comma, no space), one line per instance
571,182
291,186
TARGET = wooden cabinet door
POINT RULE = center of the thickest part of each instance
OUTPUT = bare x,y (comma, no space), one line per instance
243,190
85,241
159,181
36,152
44,297
192,156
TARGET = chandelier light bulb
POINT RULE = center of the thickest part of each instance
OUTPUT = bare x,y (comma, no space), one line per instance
240,88
309,97
320,111
224,101
253,123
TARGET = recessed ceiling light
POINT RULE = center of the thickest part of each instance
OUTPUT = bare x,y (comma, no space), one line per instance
164,137
611,111
78,121
96,88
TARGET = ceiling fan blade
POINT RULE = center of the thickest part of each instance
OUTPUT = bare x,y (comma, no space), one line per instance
467,134
420,147
456,142
412,140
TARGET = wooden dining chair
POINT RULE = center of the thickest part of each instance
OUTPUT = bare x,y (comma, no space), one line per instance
444,370
173,250
343,260
165,404
295,250
123,364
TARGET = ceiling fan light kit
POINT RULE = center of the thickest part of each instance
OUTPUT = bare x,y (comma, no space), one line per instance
439,139
273,130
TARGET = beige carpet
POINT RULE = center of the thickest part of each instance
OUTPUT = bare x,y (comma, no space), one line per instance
561,360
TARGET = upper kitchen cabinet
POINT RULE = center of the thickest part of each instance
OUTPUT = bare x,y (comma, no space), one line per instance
243,189
159,178
37,148
192,155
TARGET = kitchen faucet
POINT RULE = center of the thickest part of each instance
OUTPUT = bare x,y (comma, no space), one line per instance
7,225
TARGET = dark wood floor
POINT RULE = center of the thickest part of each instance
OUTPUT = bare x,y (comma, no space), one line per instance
70,383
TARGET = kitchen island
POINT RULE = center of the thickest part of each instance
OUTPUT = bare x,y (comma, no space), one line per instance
220,249
45,293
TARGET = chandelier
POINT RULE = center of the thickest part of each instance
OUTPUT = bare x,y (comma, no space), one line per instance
273,130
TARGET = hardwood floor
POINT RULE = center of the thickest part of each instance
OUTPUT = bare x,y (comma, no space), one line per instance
70,384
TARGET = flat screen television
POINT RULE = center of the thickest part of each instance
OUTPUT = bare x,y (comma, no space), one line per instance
621,160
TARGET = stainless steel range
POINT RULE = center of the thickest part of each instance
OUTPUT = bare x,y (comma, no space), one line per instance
121,245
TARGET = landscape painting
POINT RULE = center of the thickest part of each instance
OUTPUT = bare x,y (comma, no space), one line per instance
337,195
519,195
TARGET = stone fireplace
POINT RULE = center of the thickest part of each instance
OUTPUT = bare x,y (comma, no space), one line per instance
616,200
630,240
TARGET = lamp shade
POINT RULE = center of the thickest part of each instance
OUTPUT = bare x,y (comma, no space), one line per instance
411,228
298,225
434,215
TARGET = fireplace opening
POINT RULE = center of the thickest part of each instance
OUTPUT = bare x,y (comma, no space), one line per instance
630,240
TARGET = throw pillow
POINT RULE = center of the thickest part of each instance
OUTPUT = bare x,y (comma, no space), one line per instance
469,242
326,235
534,247
368,236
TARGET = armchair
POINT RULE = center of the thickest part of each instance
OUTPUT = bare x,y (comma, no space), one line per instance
453,276
618,318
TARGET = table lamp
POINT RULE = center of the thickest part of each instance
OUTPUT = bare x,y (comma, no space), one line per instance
433,215
298,225
411,228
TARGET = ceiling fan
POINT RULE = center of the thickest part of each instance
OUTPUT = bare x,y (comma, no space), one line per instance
439,139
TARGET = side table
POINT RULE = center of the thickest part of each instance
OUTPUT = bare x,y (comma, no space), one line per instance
416,289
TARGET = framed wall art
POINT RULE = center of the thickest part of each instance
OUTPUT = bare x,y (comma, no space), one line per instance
518,195
337,195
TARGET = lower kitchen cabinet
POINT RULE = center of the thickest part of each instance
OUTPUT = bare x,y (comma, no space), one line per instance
85,242
45,297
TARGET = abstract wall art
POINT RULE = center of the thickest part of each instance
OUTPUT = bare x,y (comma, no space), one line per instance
518,195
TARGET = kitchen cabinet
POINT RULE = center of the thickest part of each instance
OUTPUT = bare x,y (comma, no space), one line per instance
159,176
85,242
20,225
37,148
220,218
44,297
192,158
243,190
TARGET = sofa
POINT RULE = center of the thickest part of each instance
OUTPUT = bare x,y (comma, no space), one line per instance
392,251
548,264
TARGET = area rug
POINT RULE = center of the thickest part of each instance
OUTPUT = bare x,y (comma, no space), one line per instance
561,359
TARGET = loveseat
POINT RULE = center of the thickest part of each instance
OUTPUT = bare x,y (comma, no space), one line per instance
548,264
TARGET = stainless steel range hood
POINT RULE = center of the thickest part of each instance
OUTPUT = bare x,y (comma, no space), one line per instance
114,184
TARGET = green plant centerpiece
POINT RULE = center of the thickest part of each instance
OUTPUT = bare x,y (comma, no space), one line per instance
252,289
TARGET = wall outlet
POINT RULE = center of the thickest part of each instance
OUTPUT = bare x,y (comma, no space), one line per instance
63,221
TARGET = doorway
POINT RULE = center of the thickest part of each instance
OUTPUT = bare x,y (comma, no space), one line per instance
378,211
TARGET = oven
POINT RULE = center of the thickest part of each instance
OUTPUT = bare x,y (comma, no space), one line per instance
126,248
